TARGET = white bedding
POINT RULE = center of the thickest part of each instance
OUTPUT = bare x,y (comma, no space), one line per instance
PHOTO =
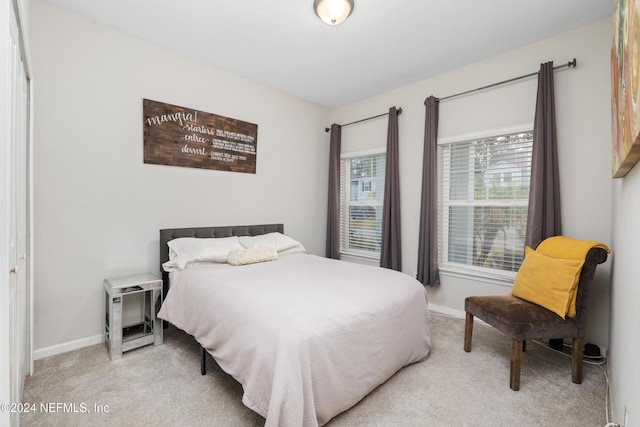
307,337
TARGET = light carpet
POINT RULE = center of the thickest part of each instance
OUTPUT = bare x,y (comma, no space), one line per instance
162,386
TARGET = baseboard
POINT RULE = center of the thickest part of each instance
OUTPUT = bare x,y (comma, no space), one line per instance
448,311
53,350
460,314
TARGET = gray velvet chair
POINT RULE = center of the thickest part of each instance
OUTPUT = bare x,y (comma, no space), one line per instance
522,320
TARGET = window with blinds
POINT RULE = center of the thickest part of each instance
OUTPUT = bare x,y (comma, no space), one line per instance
483,195
361,198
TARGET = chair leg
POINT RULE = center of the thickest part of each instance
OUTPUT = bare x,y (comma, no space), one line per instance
516,359
576,359
468,332
203,362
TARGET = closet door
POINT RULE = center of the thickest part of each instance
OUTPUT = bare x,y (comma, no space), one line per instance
17,302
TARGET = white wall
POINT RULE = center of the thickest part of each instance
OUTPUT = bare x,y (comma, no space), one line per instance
584,123
625,294
99,207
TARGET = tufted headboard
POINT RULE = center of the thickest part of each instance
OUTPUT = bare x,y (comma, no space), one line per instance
206,232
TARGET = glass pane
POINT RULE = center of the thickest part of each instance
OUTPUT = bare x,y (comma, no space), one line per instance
365,227
367,178
502,167
489,236
460,180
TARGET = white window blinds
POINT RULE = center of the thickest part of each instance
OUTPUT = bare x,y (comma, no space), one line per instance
361,195
483,192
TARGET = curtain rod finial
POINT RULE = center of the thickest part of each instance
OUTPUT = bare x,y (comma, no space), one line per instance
327,129
572,63
399,110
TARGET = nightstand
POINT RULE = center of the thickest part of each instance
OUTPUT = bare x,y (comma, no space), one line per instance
140,293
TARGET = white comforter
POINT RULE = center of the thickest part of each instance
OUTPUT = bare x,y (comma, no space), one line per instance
307,337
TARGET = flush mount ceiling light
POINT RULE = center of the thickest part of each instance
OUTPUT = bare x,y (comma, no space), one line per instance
333,12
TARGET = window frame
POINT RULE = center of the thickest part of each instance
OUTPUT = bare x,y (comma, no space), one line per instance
347,253
463,271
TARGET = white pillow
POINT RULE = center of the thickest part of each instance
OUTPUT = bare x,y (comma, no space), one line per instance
276,240
250,256
186,250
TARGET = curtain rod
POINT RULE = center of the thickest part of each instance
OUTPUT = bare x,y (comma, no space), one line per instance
571,63
364,120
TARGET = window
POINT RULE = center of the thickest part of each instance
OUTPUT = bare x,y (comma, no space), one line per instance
361,198
483,195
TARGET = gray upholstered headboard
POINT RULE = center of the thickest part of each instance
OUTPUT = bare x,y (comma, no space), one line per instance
205,232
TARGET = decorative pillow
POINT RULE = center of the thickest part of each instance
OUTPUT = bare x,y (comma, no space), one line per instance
548,282
250,256
276,240
186,250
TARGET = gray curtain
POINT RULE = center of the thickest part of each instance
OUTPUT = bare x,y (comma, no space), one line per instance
428,233
543,216
390,252
333,205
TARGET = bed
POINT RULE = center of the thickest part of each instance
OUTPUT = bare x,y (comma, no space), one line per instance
306,336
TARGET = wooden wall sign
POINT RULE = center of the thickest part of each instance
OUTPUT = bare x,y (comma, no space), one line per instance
179,136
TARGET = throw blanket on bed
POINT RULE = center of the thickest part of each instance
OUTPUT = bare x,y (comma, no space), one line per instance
307,337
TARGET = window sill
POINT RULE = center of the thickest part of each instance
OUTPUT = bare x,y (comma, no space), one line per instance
494,277
360,259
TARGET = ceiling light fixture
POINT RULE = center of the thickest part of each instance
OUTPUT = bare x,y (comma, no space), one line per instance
333,12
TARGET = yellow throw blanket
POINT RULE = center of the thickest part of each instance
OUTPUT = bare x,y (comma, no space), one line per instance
563,248
568,248
549,275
